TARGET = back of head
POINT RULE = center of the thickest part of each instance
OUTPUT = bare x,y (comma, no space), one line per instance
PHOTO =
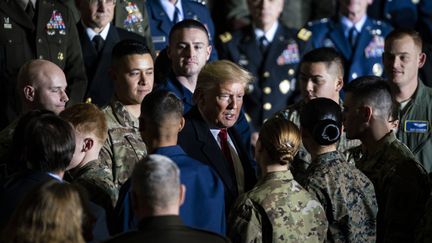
87,119
327,55
51,213
188,24
375,92
160,105
44,141
218,72
125,48
156,183
281,139
322,118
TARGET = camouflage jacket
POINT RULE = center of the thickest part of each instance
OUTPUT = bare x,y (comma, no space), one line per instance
401,186
124,146
347,195
303,158
97,181
277,209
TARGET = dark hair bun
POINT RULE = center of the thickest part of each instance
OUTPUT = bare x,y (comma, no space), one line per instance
322,118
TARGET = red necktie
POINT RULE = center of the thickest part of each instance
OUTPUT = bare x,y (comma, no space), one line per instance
223,136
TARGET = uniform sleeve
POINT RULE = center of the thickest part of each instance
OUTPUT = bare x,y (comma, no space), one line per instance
105,157
74,65
405,199
244,223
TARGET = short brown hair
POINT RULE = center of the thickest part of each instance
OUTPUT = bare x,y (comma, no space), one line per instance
400,33
87,118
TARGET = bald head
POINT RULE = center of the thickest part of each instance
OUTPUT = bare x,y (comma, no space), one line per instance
42,85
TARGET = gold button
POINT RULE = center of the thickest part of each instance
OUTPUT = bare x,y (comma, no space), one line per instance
267,90
88,100
266,74
291,71
267,106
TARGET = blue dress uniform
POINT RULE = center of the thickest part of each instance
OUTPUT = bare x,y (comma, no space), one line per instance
365,57
275,72
404,14
161,24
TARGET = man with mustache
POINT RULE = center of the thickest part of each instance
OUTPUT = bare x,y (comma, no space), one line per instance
208,134
403,57
132,72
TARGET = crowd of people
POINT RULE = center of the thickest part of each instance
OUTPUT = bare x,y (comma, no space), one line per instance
168,121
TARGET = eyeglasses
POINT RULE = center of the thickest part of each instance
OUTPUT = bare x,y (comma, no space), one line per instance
107,2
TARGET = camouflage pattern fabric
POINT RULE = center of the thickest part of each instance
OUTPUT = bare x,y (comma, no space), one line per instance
347,196
277,209
124,146
401,186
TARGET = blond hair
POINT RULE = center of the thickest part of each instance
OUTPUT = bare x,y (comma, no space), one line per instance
281,139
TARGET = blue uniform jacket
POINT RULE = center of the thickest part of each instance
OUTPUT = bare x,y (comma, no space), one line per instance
365,58
160,23
276,72
204,206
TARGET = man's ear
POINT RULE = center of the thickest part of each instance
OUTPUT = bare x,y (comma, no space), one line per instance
29,93
366,113
182,194
88,144
339,83
209,50
182,123
422,59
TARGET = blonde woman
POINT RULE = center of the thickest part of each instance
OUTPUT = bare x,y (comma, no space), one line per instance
277,209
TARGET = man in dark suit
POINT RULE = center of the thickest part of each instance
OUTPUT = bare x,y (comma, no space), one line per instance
270,51
98,37
209,136
34,29
156,198
164,14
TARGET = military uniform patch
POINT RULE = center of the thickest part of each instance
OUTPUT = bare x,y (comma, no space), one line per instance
56,23
225,37
304,34
375,47
416,126
7,24
133,18
290,55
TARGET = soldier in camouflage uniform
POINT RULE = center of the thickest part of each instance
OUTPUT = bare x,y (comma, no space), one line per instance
132,72
346,194
321,75
87,171
277,209
401,183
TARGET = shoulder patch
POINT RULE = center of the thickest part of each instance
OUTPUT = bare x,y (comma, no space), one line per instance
225,37
304,34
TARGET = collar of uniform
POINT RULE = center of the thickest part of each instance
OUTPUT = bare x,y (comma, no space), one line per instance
78,171
169,151
348,24
161,222
169,8
269,35
91,33
327,157
379,148
420,92
23,3
277,175
123,116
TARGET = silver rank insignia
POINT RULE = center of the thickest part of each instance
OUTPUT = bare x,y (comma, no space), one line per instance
7,24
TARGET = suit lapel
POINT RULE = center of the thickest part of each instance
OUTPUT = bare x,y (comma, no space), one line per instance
249,48
163,22
275,47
